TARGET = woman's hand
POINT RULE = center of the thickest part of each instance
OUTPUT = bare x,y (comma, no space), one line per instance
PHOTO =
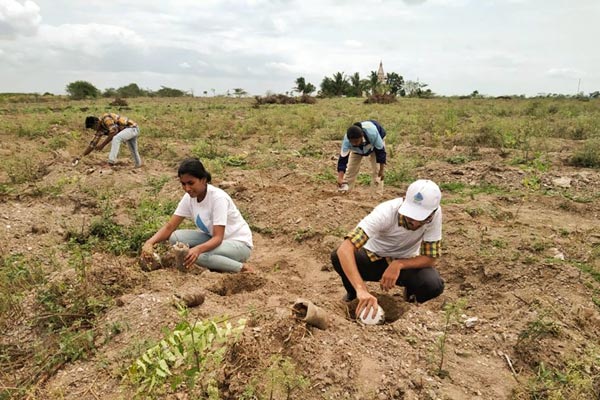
192,256
148,258
147,249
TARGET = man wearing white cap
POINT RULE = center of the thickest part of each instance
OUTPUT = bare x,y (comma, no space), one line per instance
398,243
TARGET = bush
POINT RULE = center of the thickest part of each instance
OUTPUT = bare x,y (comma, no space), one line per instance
386,98
588,156
169,92
118,102
79,90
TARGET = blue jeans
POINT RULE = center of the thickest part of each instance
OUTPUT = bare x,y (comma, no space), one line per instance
128,135
228,257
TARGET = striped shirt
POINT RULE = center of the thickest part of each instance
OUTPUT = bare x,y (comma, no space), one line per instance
111,124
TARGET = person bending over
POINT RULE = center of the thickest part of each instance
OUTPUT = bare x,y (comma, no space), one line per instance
398,243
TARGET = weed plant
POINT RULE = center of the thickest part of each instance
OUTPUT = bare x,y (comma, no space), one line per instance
18,275
188,357
588,156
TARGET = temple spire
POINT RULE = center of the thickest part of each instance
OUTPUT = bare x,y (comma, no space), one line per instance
380,74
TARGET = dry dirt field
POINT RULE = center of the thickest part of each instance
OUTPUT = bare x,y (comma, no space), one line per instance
520,265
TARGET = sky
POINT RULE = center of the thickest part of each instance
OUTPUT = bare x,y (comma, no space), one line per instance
497,47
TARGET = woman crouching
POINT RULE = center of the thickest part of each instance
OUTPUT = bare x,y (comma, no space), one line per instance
223,240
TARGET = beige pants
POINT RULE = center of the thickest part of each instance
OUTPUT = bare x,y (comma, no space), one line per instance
354,167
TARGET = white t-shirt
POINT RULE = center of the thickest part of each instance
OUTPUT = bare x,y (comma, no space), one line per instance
387,238
217,208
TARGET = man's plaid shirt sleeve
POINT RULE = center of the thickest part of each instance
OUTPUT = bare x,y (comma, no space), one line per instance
358,237
431,249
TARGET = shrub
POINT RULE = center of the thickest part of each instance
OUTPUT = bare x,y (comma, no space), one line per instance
385,98
283,99
79,90
588,156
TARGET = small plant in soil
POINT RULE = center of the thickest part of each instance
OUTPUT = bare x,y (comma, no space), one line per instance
451,313
190,353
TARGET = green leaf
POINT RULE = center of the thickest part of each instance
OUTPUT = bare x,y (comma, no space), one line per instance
163,365
146,359
141,365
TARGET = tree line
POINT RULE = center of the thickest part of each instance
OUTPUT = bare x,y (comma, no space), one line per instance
82,90
337,85
353,85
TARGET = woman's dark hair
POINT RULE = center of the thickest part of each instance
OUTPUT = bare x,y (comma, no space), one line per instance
192,166
91,121
355,131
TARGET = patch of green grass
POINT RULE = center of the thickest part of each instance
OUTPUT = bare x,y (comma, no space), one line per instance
106,233
59,186
587,156
363,179
499,243
235,160
326,176
17,275
303,234
475,211
588,269
156,184
452,187
458,159
21,169
576,379
208,150
57,142
311,151
540,327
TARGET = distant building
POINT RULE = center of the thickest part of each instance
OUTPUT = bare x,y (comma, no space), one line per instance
380,74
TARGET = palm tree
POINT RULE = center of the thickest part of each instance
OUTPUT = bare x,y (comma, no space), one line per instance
300,85
357,85
303,87
374,85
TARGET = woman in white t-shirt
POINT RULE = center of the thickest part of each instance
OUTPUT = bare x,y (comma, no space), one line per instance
223,240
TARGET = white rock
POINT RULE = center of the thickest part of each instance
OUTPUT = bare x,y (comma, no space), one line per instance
557,254
471,322
562,182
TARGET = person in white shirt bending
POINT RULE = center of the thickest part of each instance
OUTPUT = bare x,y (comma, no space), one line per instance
398,243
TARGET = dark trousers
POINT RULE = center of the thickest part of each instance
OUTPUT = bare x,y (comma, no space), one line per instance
421,284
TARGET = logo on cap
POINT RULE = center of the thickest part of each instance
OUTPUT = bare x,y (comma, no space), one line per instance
418,197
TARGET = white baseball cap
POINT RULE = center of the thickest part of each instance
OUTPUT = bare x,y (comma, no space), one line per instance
422,198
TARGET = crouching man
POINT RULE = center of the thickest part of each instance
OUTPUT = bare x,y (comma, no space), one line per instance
398,243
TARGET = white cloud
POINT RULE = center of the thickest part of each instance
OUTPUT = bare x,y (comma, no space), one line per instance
498,59
94,40
353,43
565,73
280,25
283,67
19,18
185,65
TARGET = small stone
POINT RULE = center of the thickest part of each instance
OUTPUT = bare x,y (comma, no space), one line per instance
471,322
562,182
